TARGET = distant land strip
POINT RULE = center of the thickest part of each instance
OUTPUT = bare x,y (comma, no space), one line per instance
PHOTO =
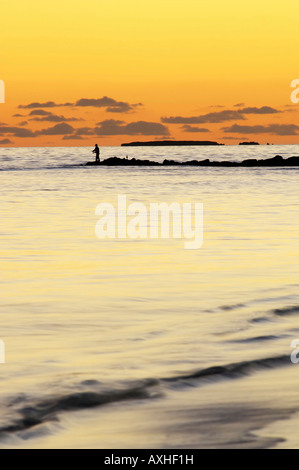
173,143
178,143
276,161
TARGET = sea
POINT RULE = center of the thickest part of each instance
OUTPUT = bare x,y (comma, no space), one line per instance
140,343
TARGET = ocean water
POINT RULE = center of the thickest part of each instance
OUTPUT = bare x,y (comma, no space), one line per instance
141,343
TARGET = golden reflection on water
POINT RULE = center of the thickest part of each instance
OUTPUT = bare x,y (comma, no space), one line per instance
75,307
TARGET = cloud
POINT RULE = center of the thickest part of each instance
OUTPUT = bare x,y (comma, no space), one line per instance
188,128
72,137
23,123
111,105
292,108
48,104
163,138
217,117
113,127
97,103
262,110
238,105
276,129
54,118
39,112
235,138
59,129
16,131
220,116
84,131
5,141
47,116
122,108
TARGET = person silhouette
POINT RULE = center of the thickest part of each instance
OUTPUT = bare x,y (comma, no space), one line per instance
97,152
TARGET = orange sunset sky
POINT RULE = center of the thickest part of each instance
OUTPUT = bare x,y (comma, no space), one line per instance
112,71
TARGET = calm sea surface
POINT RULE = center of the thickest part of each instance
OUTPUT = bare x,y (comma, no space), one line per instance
141,343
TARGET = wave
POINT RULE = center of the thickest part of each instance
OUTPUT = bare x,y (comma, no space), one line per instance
257,339
281,312
235,370
48,409
34,412
50,167
232,307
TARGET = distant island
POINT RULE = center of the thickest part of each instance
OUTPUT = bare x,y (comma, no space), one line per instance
249,143
277,161
173,143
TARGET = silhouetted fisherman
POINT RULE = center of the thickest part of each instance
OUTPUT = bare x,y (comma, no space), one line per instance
97,152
